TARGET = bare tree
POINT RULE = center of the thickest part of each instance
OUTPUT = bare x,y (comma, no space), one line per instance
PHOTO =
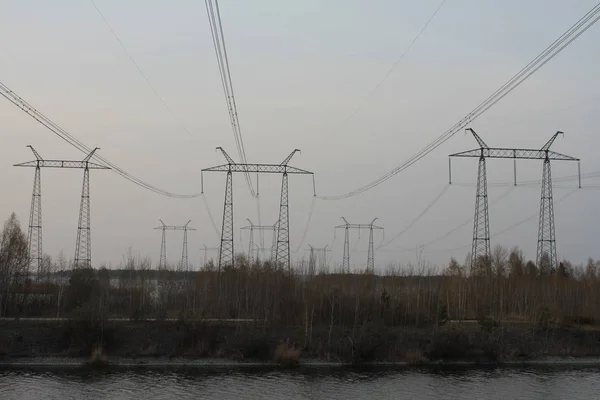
13,261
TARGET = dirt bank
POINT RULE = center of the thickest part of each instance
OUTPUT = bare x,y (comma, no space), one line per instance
472,342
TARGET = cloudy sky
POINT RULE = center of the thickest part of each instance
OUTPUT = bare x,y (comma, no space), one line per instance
300,70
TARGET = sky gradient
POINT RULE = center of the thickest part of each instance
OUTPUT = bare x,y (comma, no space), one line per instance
300,70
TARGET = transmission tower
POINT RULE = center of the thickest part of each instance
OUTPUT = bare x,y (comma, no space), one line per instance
318,255
371,252
83,251
206,249
252,228
546,246
282,253
183,265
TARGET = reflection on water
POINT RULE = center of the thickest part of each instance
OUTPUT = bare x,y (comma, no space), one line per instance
559,382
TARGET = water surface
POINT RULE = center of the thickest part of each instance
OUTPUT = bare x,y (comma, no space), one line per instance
557,382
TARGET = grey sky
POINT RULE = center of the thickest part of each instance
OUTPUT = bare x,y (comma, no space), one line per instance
300,69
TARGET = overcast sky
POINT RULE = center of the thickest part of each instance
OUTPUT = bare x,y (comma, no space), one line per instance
300,70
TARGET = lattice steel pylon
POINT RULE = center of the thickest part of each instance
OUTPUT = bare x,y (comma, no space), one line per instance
34,237
162,261
346,256
318,255
480,249
183,264
283,233
226,254
226,251
371,252
252,250
206,249
84,242
546,247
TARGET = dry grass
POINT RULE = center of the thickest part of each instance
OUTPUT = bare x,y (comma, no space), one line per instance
97,359
285,354
414,356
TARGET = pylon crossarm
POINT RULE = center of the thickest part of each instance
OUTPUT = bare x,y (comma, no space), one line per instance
259,227
175,228
527,154
227,157
35,153
552,139
257,168
479,140
61,164
358,226
288,158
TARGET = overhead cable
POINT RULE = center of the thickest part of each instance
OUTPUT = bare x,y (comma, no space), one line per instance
139,69
576,30
366,100
15,99
216,29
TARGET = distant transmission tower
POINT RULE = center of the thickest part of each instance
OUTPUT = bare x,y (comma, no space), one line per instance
183,264
206,249
83,248
251,248
282,253
546,247
371,252
318,255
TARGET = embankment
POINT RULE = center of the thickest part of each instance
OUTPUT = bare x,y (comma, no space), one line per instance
453,342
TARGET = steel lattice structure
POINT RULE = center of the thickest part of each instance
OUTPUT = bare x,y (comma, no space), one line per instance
83,247
251,248
371,252
206,249
282,253
183,264
546,246
317,254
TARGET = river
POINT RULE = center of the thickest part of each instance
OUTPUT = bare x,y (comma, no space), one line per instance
539,382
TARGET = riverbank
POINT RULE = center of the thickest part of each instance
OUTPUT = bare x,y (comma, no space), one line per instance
152,342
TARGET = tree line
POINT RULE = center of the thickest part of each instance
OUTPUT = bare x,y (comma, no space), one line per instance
504,288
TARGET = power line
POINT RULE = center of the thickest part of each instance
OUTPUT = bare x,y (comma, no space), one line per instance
576,30
461,225
139,69
15,99
310,213
210,216
414,221
509,228
366,100
216,29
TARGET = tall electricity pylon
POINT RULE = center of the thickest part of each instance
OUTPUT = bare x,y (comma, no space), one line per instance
252,228
282,254
546,246
183,265
206,249
318,255
83,248
371,253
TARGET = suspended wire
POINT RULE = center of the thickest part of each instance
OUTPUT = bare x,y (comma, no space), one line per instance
310,214
461,225
539,61
536,182
261,232
210,216
15,99
216,28
414,221
509,228
139,69
366,100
